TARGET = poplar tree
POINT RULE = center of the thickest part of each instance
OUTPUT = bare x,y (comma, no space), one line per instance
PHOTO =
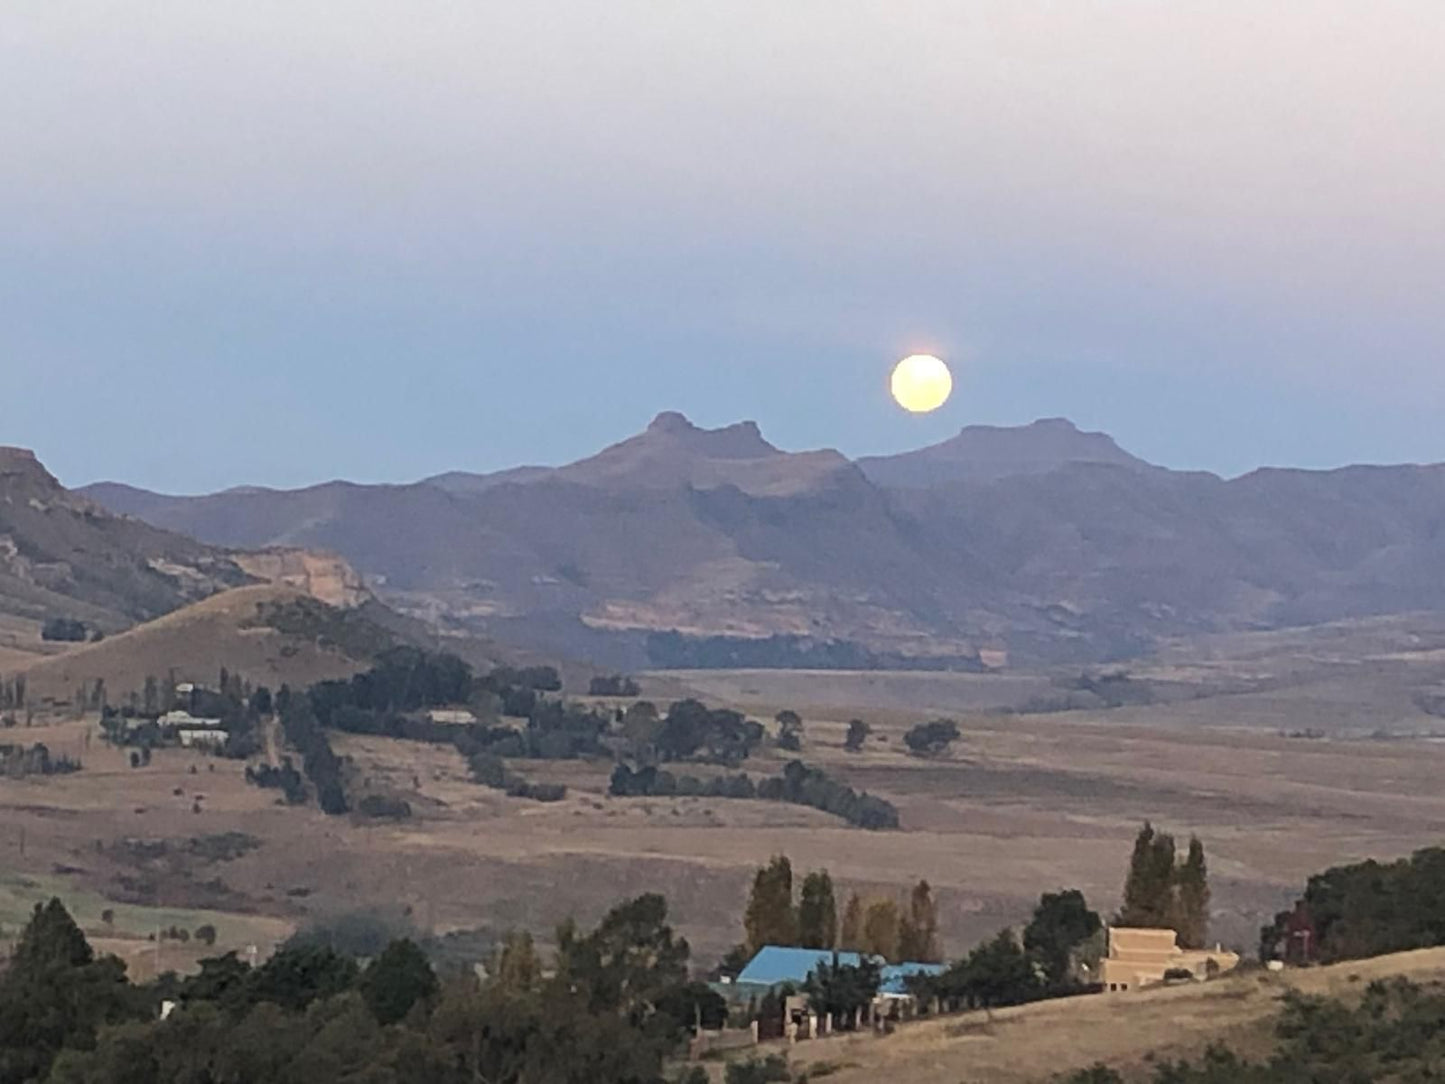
918,929
1193,898
1149,887
818,912
771,918
850,936
880,930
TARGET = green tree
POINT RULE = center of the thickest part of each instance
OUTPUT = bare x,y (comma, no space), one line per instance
790,731
838,991
880,930
1193,898
517,966
1149,887
818,912
918,929
628,963
858,732
850,932
398,979
1061,923
771,918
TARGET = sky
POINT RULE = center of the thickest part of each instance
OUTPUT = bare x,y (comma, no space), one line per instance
284,241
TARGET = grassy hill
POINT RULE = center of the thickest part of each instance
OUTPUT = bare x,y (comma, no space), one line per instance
269,634
1032,1043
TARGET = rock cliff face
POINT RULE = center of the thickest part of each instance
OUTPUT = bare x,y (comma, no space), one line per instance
324,576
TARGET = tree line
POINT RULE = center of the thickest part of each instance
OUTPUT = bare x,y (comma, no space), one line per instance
1366,909
798,784
612,1007
810,918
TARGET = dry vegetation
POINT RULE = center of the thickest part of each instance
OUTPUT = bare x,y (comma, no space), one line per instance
1030,1044
1023,804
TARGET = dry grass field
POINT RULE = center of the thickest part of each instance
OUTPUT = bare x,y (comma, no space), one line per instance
1022,804
1032,1043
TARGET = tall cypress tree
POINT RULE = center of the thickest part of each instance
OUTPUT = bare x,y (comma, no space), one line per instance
771,918
918,929
1193,898
1149,887
850,936
818,912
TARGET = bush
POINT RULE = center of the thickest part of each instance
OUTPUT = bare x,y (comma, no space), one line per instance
770,1070
932,739
64,630
384,807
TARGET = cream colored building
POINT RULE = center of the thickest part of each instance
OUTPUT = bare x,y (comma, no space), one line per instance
1139,958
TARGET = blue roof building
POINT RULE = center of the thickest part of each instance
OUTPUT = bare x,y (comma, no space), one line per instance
774,966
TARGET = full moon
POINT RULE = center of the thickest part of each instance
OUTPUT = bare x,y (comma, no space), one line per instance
921,382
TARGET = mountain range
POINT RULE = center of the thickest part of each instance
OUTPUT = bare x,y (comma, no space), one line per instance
687,545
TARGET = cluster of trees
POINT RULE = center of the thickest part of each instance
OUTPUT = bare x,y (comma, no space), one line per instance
1367,909
798,784
1163,893
613,1006
1011,971
879,928
491,771
858,734
66,630
319,762
239,707
18,761
619,685
932,739
1393,1033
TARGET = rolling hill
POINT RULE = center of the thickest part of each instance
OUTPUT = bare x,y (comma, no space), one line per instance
689,546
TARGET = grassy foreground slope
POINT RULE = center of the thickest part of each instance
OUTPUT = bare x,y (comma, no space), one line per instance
1032,1043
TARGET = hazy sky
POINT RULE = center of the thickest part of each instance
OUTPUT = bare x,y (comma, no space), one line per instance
278,242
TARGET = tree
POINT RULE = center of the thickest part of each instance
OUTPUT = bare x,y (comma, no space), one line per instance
397,980
771,918
858,732
517,966
790,731
1061,923
1193,898
918,929
880,930
838,990
628,963
850,933
818,912
932,739
1149,887
206,934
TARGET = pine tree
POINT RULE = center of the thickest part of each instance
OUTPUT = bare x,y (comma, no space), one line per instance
918,929
850,936
818,912
1193,898
51,939
771,918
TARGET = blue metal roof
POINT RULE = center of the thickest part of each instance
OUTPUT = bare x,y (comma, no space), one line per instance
773,966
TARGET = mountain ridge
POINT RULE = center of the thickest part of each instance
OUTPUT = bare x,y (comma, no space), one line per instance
1038,542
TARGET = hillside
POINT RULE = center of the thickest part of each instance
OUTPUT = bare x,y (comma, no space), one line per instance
269,634
1037,544
65,555
1032,1043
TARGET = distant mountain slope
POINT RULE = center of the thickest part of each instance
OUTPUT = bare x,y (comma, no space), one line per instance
1043,542
62,554
986,453
269,634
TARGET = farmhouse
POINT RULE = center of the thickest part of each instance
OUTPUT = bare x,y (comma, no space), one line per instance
774,967
452,717
1139,957
192,731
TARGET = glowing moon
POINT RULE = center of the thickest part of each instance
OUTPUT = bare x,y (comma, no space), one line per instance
921,382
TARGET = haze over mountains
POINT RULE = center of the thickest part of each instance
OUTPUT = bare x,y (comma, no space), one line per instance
1042,541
